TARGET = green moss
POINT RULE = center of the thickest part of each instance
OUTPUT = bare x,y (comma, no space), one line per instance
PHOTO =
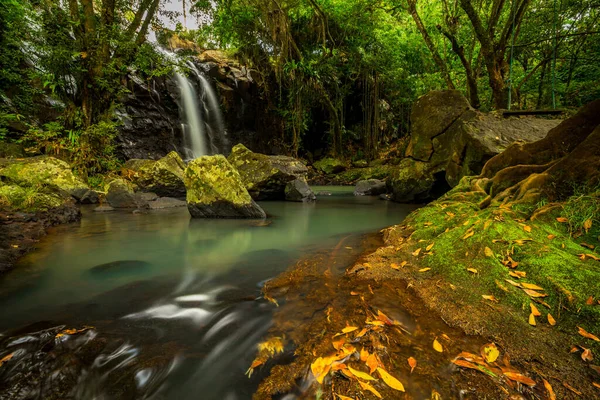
29,199
210,179
42,171
354,175
254,168
548,254
330,166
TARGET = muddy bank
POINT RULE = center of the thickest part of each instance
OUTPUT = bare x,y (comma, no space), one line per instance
21,231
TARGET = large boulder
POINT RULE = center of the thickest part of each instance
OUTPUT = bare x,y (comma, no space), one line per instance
449,141
298,190
265,177
163,177
216,190
330,166
370,187
120,194
43,172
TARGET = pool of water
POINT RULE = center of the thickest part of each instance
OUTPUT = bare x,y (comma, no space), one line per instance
163,280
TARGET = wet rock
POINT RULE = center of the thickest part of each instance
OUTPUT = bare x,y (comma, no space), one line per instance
166,202
163,177
104,208
298,190
121,265
385,196
148,196
215,190
265,177
11,150
411,181
90,197
330,166
370,187
119,194
43,172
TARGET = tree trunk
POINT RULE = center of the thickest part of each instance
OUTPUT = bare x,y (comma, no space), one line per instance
412,9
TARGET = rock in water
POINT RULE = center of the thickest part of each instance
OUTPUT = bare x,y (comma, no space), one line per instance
330,166
215,190
166,202
163,177
370,187
298,190
265,177
43,172
119,194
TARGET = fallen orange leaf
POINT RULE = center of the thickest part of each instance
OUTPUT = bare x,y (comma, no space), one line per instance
551,320
532,319
531,286
416,252
587,355
413,363
518,377
533,293
562,220
361,375
534,310
551,395
588,335
527,228
371,362
490,298
437,346
6,358
572,389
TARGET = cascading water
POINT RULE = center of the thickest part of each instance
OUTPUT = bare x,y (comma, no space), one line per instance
203,127
193,127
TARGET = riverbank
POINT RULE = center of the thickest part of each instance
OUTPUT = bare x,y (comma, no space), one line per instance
522,278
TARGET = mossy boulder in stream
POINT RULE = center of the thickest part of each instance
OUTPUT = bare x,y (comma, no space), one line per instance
330,166
163,177
31,198
120,194
264,176
216,190
43,172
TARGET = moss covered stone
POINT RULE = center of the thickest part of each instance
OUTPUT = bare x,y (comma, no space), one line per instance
265,177
411,181
120,194
330,166
30,198
215,190
163,177
43,172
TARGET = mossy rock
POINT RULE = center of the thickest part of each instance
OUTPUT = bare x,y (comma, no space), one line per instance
31,198
215,190
330,166
411,181
43,171
265,177
120,194
353,175
163,177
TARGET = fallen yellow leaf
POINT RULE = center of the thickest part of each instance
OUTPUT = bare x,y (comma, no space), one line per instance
424,269
533,293
531,286
551,320
534,310
468,234
370,388
390,380
551,237
437,346
490,352
371,363
488,252
416,252
527,228
361,375
490,298
429,247
532,319
472,270
517,274
587,225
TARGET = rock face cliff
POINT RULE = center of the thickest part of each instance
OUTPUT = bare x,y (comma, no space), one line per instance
151,125
450,140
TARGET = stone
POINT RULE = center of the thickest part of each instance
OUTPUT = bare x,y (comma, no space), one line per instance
31,198
431,115
43,171
11,150
119,194
449,141
265,177
90,197
298,190
215,190
370,187
104,208
330,166
166,202
148,197
163,177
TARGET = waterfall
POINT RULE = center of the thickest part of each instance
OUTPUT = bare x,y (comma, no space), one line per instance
193,127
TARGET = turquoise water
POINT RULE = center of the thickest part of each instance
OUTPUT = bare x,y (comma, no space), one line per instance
185,279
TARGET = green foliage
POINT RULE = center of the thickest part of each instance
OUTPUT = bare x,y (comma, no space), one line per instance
582,211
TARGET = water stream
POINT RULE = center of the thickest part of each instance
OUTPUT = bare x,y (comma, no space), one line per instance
174,302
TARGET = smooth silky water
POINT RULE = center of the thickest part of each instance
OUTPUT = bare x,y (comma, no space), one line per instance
182,292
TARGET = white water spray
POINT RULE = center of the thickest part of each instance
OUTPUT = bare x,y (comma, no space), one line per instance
194,128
